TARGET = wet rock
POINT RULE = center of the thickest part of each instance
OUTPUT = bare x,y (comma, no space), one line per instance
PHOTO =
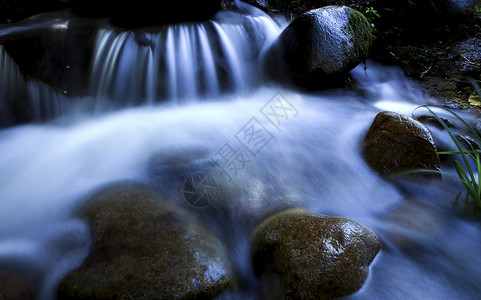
141,13
15,286
320,47
53,48
16,10
452,7
396,143
146,249
470,55
433,121
315,257
262,4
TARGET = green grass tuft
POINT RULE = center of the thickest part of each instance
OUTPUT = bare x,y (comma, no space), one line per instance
469,173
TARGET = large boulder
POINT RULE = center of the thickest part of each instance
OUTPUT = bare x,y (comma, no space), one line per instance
144,249
315,257
139,13
54,48
16,10
320,47
396,143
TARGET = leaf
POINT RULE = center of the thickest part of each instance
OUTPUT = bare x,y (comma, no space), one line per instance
474,99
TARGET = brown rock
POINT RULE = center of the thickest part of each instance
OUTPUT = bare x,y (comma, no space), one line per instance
316,257
145,249
397,143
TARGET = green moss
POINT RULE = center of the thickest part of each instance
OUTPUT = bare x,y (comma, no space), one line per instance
360,30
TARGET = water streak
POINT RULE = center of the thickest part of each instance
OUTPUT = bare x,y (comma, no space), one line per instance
183,61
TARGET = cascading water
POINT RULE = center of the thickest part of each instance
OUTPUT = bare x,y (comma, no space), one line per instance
186,61
309,157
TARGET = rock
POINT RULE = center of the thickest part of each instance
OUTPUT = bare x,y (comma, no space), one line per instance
262,4
452,7
16,10
470,52
433,121
396,143
315,257
54,48
320,47
146,249
15,286
141,13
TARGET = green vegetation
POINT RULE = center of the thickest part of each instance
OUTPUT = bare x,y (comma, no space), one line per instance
371,14
467,147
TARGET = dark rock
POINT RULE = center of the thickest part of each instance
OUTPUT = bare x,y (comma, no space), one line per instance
140,13
470,55
320,47
15,286
146,249
452,7
54,48
316,257
16,10
432,120
263,4
396,143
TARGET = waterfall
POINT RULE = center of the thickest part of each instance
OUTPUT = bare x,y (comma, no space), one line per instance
37,100
173,63
181,61
11,82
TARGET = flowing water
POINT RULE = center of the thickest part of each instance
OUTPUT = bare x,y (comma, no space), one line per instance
292,149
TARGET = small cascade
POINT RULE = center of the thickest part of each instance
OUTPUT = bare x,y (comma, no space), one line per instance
36,101
45,102
11,83
182,61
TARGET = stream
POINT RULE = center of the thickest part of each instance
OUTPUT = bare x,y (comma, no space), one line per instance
293,149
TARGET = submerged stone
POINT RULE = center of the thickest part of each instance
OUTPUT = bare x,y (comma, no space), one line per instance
146,249
396,143
315,257
320,47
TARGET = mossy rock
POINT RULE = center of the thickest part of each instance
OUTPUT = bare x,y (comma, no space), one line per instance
315,257
144,249
320,47
397,143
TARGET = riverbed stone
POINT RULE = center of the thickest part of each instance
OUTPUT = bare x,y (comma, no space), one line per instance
145,249
397,143
320,47
315,256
